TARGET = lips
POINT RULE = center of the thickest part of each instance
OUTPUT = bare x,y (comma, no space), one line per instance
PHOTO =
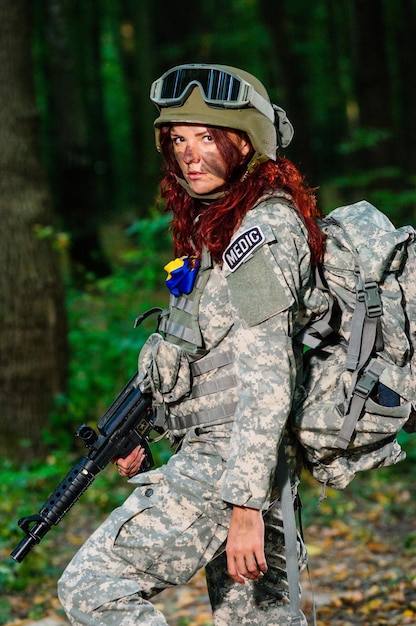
195,175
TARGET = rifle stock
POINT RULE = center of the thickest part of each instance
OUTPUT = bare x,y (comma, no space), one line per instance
126,424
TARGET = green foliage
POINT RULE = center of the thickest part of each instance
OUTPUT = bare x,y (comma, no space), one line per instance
364,138
116,107
104,345
23,490
5,608
389,188
104,349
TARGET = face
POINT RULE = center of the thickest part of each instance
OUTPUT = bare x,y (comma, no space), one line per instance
199,159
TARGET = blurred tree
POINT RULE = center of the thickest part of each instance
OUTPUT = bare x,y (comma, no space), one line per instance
74,168
373,84
401,47
308,65
290,75
33,349
138,61
377,153
85,28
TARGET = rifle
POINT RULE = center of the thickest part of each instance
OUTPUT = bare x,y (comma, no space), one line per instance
126,424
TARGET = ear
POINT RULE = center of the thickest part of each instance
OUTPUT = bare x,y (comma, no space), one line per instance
245,147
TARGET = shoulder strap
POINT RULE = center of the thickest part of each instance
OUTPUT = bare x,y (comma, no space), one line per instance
291,546
291,540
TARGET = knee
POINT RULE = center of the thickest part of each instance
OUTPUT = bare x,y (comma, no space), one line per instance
82,591
78,584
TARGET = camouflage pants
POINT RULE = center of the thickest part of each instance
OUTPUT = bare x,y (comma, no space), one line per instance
171,526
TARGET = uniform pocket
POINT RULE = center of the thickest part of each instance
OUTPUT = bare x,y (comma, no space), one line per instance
154,526
167,369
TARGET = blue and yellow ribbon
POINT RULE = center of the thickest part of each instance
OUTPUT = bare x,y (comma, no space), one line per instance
182,273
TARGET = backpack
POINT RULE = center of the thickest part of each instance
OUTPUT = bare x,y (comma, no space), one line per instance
359,381
359,385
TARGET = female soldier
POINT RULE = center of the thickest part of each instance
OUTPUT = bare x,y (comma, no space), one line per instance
222,368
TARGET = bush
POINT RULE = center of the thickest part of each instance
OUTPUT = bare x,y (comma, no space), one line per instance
103,343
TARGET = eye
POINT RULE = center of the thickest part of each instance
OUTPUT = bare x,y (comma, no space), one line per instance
208,138
177,139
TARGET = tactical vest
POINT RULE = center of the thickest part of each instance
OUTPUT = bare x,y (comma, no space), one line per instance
179,324
212,397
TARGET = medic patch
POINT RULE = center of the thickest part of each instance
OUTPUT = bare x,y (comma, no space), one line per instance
242,247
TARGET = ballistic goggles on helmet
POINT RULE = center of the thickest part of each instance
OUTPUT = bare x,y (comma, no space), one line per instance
219,87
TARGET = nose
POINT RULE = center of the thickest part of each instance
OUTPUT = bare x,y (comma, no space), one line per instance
190,155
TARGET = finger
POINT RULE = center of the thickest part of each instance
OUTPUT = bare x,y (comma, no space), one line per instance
256,562
130,459
233,571
122,468
141,454
135,466
252,570
262,564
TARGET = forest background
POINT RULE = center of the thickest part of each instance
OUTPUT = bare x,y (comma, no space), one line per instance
82,242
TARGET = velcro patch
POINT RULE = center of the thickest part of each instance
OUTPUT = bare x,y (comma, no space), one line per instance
242,247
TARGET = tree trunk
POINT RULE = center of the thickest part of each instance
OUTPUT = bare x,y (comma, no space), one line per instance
32,319
291,79
74,167
402,17
372,82
137,54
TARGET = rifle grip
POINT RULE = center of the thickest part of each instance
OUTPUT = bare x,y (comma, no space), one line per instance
148,461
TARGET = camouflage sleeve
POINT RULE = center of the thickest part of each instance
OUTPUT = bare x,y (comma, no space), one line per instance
265,288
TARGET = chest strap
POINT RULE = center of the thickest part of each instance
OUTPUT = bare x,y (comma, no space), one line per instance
208,363
179,331
222,414
213,386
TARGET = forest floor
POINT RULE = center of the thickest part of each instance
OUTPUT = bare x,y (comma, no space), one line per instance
362,547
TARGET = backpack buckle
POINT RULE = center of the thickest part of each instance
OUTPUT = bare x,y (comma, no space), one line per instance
372,299
366,383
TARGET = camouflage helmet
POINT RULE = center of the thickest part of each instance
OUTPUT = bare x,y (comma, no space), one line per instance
224,96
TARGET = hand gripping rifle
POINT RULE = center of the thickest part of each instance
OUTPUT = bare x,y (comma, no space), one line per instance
126,424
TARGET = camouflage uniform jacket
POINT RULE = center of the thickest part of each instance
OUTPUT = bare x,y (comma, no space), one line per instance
228,355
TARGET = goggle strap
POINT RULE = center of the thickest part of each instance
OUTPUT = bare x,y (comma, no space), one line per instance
261,104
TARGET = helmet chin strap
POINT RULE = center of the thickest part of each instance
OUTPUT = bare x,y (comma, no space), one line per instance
254,162
204,196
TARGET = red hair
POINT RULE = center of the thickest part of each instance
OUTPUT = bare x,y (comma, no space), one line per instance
213,224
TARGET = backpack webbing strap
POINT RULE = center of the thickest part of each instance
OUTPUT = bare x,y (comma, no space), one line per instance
363,340
357,335
364,323
360,391
314,333
291,540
